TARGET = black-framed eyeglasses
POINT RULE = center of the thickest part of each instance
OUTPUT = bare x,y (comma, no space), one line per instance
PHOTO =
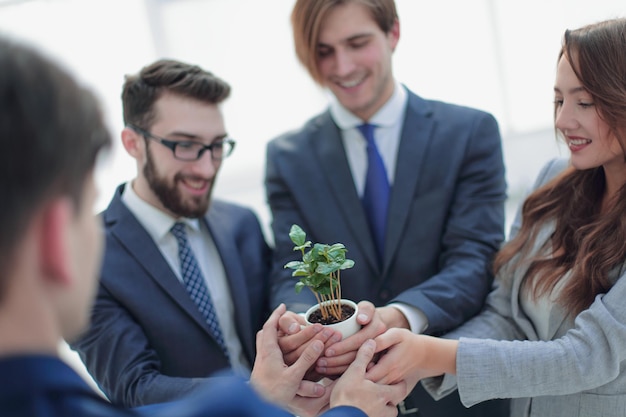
190,150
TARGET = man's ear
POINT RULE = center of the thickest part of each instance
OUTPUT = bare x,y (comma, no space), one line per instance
394,34
55,240
131,141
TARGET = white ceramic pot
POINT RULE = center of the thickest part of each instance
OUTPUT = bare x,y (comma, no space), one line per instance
347,327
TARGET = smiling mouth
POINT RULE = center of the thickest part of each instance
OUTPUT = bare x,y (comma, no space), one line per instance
578,142
195,184
350,83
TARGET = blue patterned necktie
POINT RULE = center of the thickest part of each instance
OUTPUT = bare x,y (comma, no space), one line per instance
195,285
376,193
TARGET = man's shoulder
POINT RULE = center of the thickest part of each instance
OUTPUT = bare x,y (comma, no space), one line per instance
440,108
232,216
45,386
229,209
303,133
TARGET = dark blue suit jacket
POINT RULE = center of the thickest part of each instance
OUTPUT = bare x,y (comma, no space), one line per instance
42,386
148,342
445,221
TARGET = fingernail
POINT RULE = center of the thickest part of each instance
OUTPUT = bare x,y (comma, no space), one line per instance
362,317
322,363
329,352
328,333
293,327
318,346
336,338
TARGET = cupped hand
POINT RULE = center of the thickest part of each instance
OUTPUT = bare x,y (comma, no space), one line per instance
337,357
283,384
409,357
354,389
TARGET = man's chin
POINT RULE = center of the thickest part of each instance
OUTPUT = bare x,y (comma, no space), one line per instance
195,211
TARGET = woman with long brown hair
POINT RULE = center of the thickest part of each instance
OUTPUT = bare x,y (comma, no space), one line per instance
556,319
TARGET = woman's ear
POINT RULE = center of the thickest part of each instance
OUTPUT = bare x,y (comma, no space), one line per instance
55,241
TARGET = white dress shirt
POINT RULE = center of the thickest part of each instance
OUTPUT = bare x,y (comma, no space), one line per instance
158,225
388,120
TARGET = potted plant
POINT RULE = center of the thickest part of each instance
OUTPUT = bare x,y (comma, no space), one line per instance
320,271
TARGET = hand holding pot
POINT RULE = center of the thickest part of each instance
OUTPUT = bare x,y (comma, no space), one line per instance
283,384
352,388
295,337
340,355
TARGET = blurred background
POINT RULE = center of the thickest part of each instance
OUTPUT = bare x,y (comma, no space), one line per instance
496,55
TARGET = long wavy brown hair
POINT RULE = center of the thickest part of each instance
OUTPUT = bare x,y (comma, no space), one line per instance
587,241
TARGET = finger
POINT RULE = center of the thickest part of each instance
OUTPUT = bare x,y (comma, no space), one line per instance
309,407
310,389
396,392
292,342
366,312
388,339
379,373
332,371
363,357
266,339
272,321
293,351
335,365
307,359
352,343
290,322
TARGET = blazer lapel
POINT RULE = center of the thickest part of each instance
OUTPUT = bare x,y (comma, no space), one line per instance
235,275
328,146
416,135
139,244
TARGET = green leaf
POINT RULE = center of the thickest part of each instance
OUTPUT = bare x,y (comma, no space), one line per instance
320,264
299,286
294,264
348,263
327,268
297,235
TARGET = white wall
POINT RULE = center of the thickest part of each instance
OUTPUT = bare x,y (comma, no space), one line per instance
496,55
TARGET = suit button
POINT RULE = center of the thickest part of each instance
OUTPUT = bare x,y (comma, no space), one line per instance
384,294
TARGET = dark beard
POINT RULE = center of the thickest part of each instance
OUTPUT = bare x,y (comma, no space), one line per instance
170,196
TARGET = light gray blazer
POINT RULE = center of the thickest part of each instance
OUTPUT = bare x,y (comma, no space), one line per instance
578,372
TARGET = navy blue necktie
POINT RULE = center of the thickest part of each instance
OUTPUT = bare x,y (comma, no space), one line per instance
376,194
195,285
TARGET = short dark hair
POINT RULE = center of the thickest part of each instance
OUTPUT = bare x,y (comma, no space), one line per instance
142,90
51,131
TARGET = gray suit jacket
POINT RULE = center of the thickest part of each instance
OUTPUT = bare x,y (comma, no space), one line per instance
578,372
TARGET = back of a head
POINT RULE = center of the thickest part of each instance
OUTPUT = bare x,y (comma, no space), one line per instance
51,131
142,90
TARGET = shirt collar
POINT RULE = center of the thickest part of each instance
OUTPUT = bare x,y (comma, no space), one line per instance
156,222
387,115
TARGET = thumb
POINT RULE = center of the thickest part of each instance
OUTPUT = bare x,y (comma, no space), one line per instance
363,358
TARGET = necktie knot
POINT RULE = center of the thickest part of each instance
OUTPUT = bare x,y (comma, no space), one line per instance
367,130
178,230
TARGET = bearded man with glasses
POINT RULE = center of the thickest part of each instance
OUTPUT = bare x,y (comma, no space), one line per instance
184,282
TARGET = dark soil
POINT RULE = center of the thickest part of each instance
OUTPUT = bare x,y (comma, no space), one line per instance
316,316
